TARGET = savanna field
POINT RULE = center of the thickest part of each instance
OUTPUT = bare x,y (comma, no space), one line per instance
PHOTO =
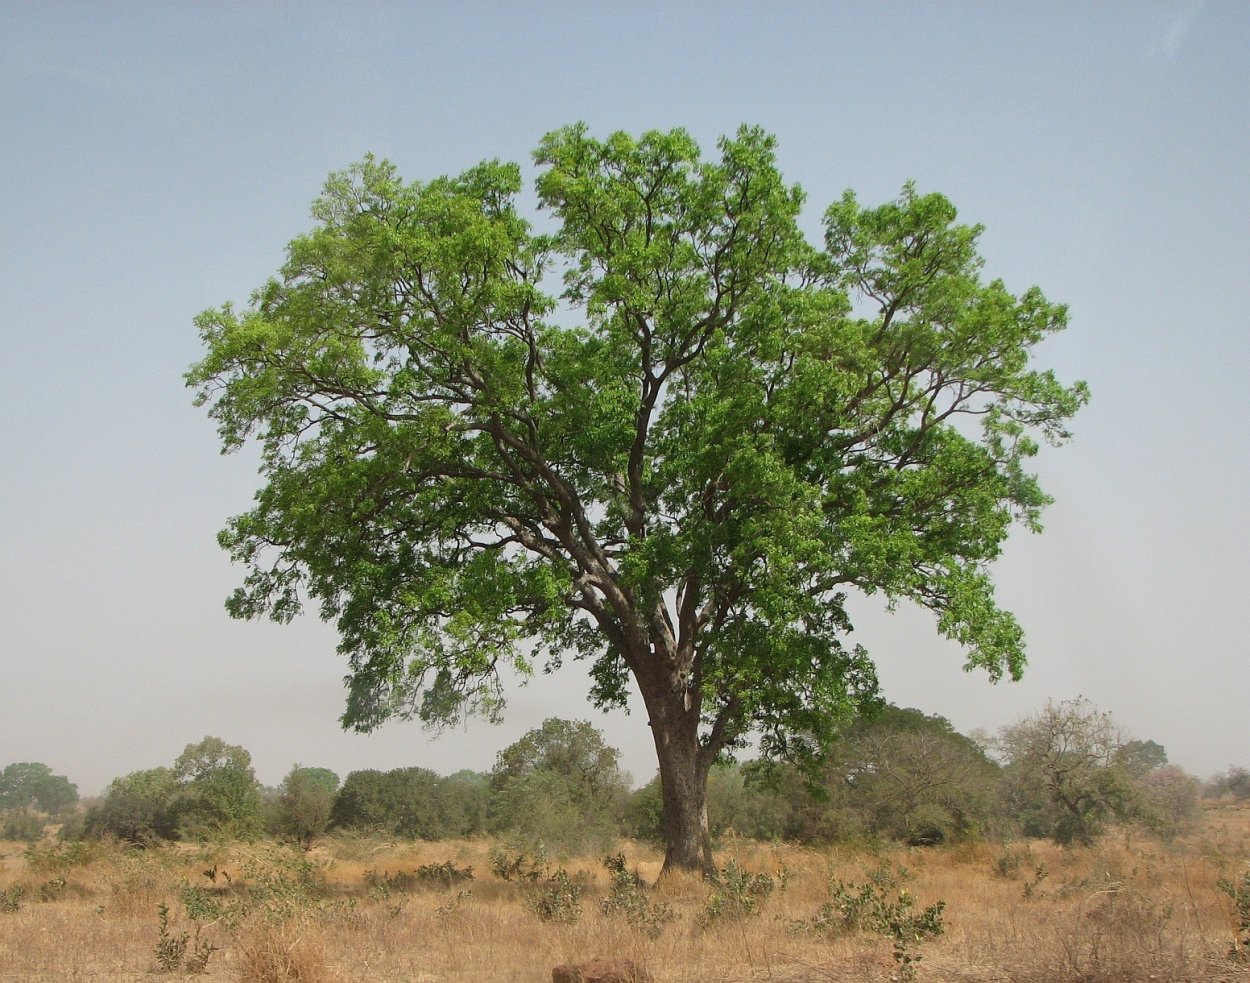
357,908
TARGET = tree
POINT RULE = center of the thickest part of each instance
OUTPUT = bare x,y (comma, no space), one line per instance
1142,757
913,777
1235,782
362,802
411,802
1168,801
138,807
465,798
559,786
217,789
675,467
305,799
1066,773
31,785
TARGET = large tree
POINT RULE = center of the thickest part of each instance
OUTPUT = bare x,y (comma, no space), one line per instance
24,784
675,466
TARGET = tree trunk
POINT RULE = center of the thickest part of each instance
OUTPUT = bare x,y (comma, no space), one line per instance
683,779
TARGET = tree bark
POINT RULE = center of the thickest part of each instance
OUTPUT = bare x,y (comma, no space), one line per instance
683,781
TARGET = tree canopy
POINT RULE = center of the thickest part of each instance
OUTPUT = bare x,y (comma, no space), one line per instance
27,784
659,430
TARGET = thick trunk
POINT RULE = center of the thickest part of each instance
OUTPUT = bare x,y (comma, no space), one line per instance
683,779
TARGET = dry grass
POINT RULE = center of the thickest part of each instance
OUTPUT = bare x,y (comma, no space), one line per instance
1120,912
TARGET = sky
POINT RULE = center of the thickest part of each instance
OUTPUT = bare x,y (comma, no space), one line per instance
157,158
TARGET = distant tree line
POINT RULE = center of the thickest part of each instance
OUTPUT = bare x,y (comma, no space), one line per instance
1066,773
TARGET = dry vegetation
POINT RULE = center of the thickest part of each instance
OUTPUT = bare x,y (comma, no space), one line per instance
354,910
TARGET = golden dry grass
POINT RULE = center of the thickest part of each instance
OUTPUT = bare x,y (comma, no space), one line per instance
1124,911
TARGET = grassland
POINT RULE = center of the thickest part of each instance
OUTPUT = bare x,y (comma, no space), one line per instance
354,909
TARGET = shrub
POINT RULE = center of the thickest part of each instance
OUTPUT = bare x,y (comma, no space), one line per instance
737,894
137,808
11,900
628,898
21,824
518,866
881,906
305,800
558,898
1009,863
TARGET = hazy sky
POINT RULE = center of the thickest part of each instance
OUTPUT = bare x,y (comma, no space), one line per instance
155,159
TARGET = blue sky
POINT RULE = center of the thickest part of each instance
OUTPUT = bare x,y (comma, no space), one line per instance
157,158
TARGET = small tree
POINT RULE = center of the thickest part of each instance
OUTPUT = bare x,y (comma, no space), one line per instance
1065,771
1234,783
913,777
138,808
305,799
559,785
1168,801
217,790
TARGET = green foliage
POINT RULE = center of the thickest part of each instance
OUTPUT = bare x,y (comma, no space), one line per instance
443,875
1008,864
218,794
1064,772
137,808
446,874
61,857
31,785
881,905
283,882
895,774
411,802
912,777
558,897
171,947
1032,887
1141,757
674,464
54,889
11,899
21,824
629,898
737,893
305,801
518,866
560,787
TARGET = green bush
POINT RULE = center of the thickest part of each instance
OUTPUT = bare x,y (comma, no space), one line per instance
21,824
137,808
629,898
560,787
558,898
414,803
882,906
305,800
738,893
